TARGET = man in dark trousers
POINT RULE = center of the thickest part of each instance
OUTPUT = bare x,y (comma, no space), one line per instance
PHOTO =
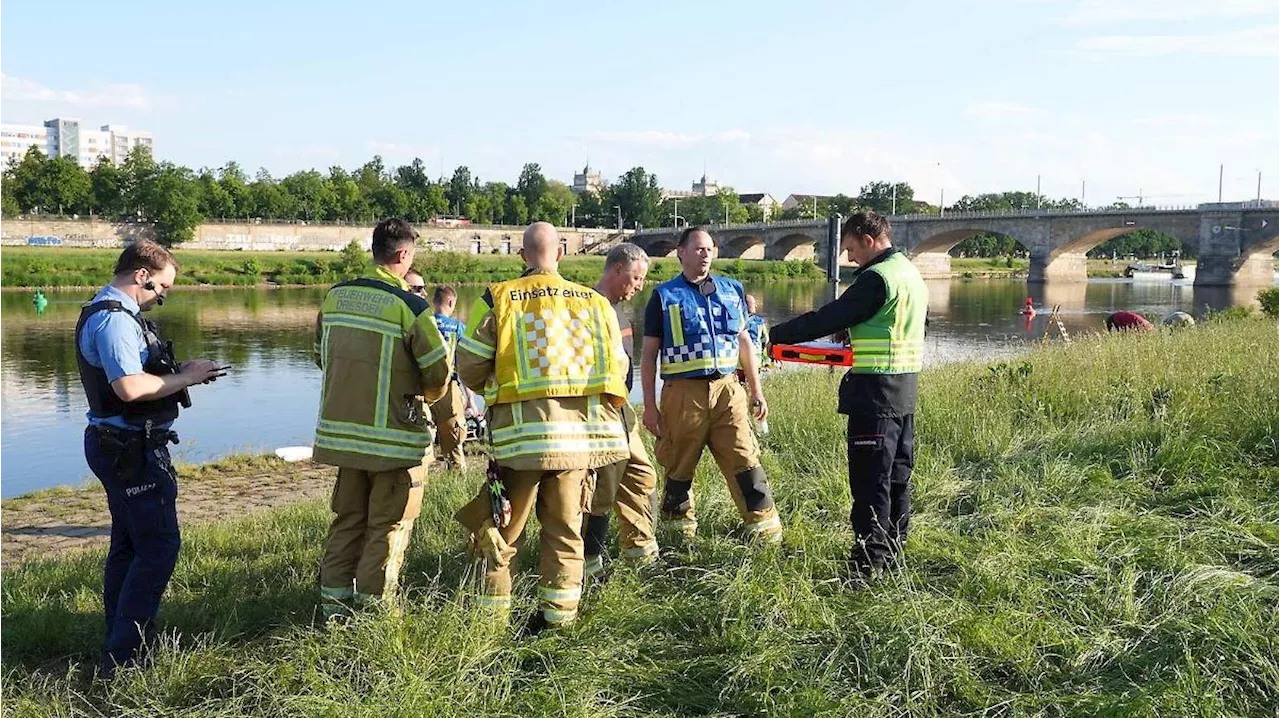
883,312
135,389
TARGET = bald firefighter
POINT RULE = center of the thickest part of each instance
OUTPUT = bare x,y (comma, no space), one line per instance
547,353
381,354
695,335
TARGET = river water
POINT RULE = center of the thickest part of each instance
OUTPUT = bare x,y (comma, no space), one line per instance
270,397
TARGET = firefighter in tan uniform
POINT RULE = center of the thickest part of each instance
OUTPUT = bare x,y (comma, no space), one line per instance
449,413
695,335
547,353
381,354
627,486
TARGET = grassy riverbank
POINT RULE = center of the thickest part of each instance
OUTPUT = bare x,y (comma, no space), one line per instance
64,267
1095,535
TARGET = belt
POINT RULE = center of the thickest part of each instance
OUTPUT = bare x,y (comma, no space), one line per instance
706,379
151,438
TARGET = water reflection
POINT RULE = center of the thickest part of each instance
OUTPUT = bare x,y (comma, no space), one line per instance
270,397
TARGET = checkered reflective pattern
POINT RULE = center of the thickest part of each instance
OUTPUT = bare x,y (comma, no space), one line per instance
558,342
704,347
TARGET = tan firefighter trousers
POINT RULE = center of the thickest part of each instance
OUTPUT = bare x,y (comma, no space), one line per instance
712,413
374,514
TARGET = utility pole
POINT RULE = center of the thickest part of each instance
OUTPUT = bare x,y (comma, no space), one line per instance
675,212
942,202
1259,187
1220,183
1037,191
1082,193
893,201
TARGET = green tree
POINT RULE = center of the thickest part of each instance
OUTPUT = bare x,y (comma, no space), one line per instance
137,172
517,211
313,197
638,195
215,201
108,198
235,183
65,186
172,201
270,201
556,203
349,202
532,186
590,211
24,178
887,197
9,203
460,189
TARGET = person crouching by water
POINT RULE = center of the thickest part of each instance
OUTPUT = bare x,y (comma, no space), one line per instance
883,312
134,387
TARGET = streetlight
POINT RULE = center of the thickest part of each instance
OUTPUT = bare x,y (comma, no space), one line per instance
942,193
619,208
675,212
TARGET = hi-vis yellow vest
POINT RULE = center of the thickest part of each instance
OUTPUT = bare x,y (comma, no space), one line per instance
555,339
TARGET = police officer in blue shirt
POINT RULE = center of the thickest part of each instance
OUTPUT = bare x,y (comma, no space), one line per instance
134,387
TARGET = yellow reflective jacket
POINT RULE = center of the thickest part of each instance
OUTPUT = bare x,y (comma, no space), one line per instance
548,355
380,350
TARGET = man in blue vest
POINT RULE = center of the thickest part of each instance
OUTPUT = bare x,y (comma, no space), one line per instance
134,388
695,328
449,413
883,312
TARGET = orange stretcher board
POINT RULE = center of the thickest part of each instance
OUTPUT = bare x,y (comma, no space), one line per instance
826,353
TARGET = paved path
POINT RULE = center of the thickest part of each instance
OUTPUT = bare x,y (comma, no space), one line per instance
49,524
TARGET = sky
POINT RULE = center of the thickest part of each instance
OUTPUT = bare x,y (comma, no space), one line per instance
1111,98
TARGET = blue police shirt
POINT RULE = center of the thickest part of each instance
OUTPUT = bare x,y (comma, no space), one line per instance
113,342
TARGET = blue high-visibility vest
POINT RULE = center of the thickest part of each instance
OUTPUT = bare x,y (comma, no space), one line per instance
700,331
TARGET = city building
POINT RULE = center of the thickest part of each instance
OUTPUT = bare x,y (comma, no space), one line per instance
66,137
587,181
700,188
765,201
794,199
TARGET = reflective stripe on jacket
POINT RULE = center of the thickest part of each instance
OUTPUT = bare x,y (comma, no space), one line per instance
548,355
700,331
892,341
380,350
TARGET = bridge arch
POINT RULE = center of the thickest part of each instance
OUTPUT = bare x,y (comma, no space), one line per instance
944,242
796,246
661,246
744,246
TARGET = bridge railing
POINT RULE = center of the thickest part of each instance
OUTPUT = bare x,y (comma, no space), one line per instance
951,215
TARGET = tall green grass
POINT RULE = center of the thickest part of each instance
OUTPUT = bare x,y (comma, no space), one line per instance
65,267
1095,534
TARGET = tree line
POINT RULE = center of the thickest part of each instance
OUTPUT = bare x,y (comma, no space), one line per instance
177,199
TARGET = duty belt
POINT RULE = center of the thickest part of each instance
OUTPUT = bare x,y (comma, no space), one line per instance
146,437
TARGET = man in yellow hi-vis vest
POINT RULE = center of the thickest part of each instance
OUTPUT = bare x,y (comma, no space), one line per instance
548,355
381,354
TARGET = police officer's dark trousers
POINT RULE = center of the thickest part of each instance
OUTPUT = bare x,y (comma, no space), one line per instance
881,456
142,492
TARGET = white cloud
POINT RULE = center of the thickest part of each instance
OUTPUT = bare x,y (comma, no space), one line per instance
1001,111
1103,12
400,149
100,95
661,139
1254,43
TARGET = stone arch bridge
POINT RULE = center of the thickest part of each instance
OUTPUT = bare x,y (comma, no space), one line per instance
1235,240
